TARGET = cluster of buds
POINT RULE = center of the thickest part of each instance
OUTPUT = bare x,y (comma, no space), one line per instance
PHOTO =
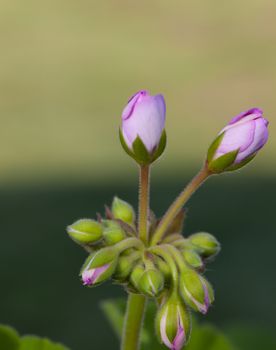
116,253
156,260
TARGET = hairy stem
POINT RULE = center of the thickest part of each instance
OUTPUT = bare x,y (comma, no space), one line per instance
133,322
178,204
144,202
137,303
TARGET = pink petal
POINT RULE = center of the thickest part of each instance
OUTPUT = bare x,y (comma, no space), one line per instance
180,337
259,140
238,137
128,110
147,121
257,112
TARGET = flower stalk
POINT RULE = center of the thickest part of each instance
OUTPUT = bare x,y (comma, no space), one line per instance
143,202
137,303
134,316
173,210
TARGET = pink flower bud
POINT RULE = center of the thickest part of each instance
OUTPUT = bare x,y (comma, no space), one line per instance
196,291
144,116
90,277
173,323
239,141
180,337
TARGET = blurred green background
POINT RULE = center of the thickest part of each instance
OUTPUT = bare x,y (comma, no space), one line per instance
66,71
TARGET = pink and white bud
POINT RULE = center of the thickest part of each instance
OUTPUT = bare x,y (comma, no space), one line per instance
90,277
180,337
173,323
99,266
144,116
196,291
239,141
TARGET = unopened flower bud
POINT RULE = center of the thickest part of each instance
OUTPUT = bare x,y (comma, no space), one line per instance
173,323
205,244
125,265
192,258
113,232
85,231
99,266
123,211
136,275
151,282
238,142
196,291
143,120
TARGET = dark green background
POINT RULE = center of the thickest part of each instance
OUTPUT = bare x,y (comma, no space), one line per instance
40,290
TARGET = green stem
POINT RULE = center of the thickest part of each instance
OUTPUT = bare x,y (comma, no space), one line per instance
133,322
144,202
137,303
178,204
127,243
177,257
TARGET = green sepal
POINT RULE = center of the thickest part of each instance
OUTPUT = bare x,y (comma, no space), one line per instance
99,258
205,244
124,145
241,164
223,162
161,146
141,153
192,258
214,146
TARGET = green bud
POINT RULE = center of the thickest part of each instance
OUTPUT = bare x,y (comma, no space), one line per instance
192,258
173,324
205,244
113,232
85,231
101,257
151,282
123,211
98,267
196,291
136,274
125,266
